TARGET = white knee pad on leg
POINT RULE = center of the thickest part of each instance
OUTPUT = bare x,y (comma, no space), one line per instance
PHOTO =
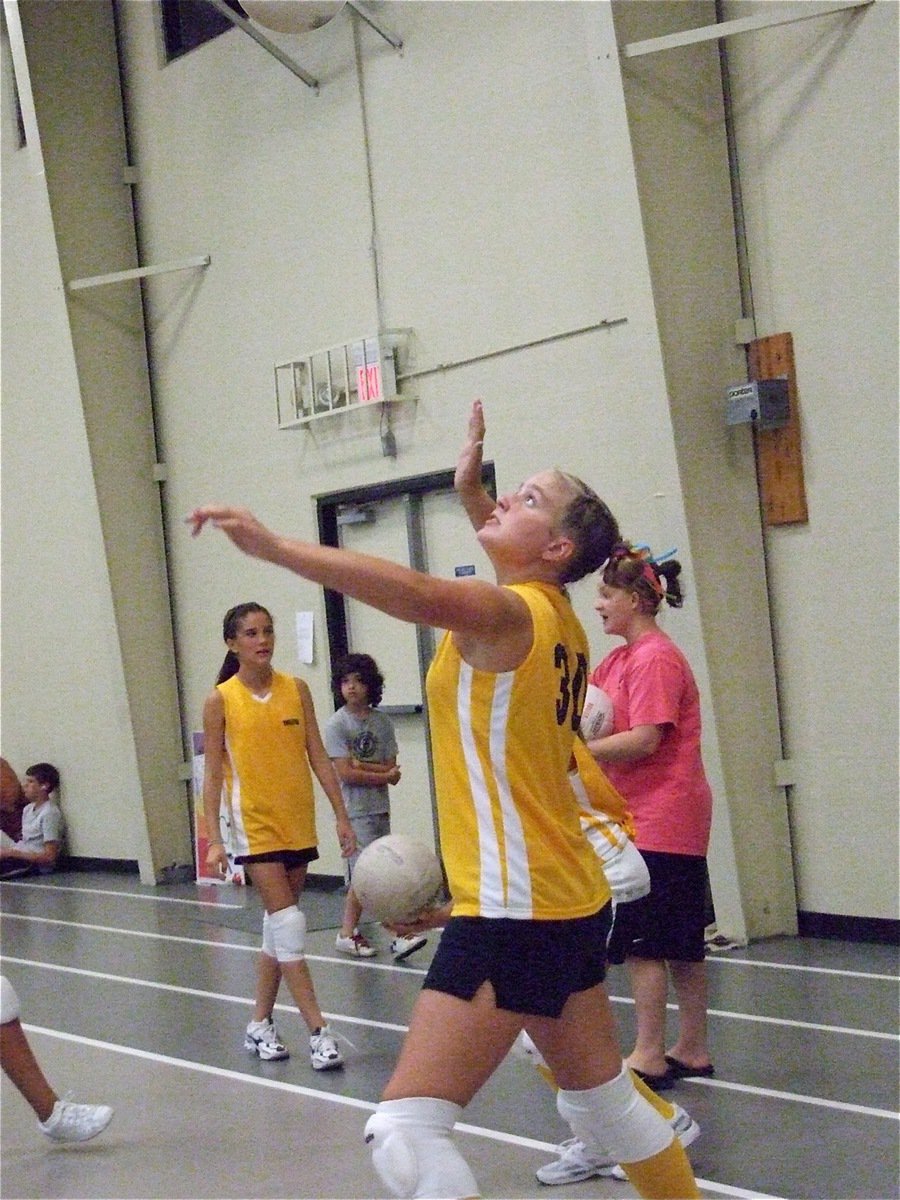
616,1119
268,938
413,1152
9,1001
288,930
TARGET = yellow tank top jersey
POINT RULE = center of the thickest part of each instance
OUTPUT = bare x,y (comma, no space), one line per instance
598,800
510,833
268,784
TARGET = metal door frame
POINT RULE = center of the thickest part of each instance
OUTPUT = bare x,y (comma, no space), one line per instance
413,490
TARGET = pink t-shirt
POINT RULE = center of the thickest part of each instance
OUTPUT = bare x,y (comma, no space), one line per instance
650,682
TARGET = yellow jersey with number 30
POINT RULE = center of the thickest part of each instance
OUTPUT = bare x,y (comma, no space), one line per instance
510,834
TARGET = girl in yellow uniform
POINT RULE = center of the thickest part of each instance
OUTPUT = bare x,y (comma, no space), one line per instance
525,947
260,739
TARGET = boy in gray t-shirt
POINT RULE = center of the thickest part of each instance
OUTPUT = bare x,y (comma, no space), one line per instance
360,742
40,845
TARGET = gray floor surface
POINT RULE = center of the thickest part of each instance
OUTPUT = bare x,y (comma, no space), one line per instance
138,997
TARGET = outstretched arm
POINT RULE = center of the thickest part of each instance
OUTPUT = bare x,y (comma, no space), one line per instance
476,500
467,606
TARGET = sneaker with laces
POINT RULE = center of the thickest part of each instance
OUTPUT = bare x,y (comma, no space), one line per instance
323,1051
576,1162
262,1038
71,1122
355,944
403,947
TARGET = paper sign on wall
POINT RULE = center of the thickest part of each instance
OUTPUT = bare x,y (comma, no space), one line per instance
304,636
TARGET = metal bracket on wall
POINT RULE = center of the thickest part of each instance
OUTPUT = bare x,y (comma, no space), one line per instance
783,15
267,44
91,281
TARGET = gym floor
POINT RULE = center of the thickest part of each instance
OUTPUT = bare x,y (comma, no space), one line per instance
138,997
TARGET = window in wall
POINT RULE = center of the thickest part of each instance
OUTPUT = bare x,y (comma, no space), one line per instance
187,24
10,86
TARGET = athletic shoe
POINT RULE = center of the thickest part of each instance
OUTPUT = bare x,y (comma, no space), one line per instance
75,1122
356,945
576,1162
323,1052
262,1038
403,947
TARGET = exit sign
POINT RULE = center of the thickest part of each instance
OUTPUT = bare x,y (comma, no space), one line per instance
368,383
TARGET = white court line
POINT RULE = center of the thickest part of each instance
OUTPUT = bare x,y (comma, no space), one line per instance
776,966
495,1135
743,962
340,1018
189,991
727,1014
343,960
55,887
818,1101
788,1022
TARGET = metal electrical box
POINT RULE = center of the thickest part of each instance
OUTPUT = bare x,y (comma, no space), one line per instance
764,402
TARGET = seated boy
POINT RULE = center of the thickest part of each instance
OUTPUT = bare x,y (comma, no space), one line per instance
40,845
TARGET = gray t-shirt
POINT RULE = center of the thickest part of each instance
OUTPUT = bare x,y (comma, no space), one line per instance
39,825
368,739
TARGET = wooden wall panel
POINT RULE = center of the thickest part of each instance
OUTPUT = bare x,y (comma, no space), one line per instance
779,455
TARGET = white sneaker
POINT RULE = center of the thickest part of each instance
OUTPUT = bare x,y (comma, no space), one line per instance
323,1051
403,947
355,944
576,1162
262,1038
75,1122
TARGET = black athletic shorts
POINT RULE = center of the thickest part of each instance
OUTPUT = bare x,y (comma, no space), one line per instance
291,858
533,966
668,923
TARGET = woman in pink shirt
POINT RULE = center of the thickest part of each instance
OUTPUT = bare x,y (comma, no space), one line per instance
653,757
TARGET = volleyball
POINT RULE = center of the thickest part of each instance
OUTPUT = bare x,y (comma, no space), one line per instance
396,877
597,715
291,16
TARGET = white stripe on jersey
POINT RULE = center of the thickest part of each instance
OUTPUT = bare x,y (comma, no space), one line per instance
239,842
491,883
518,875
493,900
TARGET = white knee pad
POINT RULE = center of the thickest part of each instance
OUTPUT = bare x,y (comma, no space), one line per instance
268,939
288,931
9,1001
413,1152
615,1119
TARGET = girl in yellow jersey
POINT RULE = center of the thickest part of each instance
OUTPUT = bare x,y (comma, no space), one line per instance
525,946
260,739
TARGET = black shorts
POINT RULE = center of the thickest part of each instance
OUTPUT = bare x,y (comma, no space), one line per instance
669,923
533,966
291,858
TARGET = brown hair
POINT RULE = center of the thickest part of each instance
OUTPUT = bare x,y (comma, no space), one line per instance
230,626
593,529
634,569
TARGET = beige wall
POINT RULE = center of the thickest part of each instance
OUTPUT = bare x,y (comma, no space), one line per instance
82,145
816,118
64,697
505,195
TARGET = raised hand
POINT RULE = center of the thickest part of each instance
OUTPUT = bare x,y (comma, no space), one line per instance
467,480
239,524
